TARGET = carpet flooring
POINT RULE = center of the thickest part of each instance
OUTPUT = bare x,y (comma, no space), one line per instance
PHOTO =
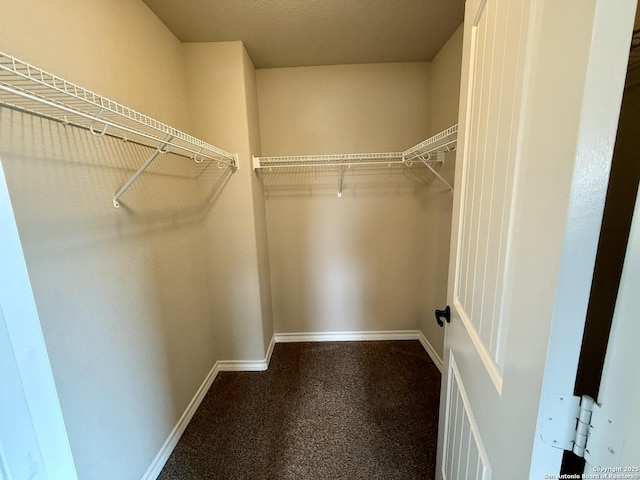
335,410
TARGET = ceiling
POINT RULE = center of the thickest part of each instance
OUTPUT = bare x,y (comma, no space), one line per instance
292,33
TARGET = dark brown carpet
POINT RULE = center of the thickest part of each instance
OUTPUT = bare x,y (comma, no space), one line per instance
337,410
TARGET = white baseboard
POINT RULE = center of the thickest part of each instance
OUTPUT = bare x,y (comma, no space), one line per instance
242,365
363,336
220,366
345,336
437,360
163,455
261,365
272,344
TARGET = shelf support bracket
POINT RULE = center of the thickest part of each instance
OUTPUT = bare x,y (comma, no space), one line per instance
125,187
260,180
433,170
340,182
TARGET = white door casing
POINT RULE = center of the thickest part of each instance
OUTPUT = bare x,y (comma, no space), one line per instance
519,213
615,440
608,44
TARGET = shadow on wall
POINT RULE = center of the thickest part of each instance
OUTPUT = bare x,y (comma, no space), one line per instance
121,293
77,173
361,262
437,205
354,179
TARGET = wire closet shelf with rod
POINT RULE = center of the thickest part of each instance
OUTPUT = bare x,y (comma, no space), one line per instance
29,89
430,154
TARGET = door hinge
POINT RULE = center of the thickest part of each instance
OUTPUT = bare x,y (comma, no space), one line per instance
581,426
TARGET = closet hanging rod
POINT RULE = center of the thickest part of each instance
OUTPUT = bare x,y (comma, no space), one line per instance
191,153
337,160
29,88
83,127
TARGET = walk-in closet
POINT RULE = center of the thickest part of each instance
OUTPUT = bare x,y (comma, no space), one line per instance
181,210
255,208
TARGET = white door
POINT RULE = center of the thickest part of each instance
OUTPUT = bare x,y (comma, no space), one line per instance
536,129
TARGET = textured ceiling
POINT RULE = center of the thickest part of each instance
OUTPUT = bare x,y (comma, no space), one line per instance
290,33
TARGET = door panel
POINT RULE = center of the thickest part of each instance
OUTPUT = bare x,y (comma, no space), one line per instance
464,454
488,176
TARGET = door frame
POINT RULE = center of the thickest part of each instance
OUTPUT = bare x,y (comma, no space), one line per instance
41,450
602,98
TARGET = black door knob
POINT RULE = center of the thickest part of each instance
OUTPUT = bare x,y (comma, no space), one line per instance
446,314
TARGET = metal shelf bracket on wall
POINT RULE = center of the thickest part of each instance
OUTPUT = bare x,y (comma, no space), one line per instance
29,89
161,149
437,145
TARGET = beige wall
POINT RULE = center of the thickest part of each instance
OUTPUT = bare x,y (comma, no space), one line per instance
343,109
353,263
259,207
377,258
138,303
119,49
444,95
346,264
121,313
221,85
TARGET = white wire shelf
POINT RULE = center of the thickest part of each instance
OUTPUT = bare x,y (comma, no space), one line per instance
29,89
433,150
444,141
314,161
428,153
327,163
